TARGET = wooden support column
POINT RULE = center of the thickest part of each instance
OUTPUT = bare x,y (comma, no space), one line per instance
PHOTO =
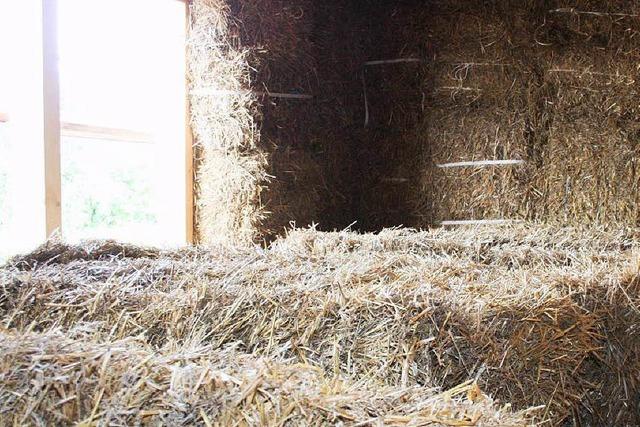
51,110
189,166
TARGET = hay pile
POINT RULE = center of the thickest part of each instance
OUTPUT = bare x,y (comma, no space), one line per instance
536,316
51,379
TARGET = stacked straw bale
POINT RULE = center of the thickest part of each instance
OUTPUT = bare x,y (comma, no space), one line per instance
542,82
590,168
262,162
51,379
552,83
230,165
536,316
481,101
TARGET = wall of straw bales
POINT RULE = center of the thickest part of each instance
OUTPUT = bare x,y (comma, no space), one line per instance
553,83
263,162
550,83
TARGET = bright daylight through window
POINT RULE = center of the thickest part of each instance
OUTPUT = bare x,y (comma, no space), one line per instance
22,210
122,104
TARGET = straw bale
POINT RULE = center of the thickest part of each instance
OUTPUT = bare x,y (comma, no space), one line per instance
476,109
475,112
273,175
229,196
230,166
388,180
385,171
552,84
539,316
589,167
296,196
277,34
49,378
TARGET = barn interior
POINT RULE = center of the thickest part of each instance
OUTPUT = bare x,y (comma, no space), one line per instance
401,212
385,98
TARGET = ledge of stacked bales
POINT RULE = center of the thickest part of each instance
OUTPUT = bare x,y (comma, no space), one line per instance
533,315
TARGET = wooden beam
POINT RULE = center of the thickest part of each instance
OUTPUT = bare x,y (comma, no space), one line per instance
51,109
79,130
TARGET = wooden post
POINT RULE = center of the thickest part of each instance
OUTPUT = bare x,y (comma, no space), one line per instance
189,167
51,104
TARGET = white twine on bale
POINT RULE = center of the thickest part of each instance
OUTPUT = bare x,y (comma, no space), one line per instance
481,163
477,163
366,101
395,180
480,64
213,91
586,12
469,89
482,222
393,61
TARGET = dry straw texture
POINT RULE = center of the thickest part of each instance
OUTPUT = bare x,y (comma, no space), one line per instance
553,83
550,83
262,162
51,379
231,168
537,316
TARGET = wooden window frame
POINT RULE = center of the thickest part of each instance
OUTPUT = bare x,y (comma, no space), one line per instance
54,128
51,117
190,227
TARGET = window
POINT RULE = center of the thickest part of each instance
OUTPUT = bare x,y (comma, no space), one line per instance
22,208
5,207
110,156
122,91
